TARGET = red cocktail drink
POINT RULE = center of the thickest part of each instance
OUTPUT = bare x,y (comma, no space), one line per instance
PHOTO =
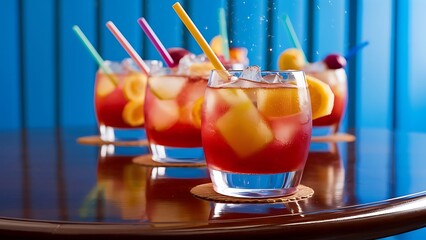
256,131
119,101
173,104
336,79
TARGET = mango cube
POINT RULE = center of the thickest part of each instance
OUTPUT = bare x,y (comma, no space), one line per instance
244,130
278,102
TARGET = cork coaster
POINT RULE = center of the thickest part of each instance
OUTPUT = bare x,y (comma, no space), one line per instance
337,137
206,191
96,140
146,160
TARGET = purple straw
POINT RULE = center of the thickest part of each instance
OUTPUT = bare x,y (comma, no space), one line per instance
157,43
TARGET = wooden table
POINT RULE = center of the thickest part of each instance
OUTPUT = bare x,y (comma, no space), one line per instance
51,187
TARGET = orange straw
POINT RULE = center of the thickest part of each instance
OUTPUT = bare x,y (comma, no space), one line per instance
126,45
198,37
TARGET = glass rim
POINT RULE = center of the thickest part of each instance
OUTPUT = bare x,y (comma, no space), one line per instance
262,71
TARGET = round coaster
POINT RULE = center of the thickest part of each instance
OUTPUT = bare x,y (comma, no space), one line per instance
206,191
146,160
337,137
96,140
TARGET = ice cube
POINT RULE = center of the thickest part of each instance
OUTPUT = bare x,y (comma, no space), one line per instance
285,132
185,63
252,73
129,65
273,78
114,66
188,60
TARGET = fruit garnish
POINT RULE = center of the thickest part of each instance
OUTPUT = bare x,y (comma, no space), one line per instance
177,53
163,114
278,102
166,87
335,61
244,129
322,98
238,54
104,86
234,96
291,59
216,45
201,69
133,113
196,112
134,87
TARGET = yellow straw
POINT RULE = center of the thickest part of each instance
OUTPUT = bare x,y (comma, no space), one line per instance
198,37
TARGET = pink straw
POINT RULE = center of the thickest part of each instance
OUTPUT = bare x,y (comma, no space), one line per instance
126,45
157,43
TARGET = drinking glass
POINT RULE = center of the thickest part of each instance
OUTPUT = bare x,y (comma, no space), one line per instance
119,101
173,115
256,133
337,80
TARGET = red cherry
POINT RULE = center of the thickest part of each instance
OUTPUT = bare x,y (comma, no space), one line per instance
335,61
177,53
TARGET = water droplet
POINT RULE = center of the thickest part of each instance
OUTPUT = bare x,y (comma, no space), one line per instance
270,49
206,27
318,7
317,52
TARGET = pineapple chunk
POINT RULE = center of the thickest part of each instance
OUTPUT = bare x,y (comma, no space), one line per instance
278,102
163,114
244,130
234,96
167,87
104,86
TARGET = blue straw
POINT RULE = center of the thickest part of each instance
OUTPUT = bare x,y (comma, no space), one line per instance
356,49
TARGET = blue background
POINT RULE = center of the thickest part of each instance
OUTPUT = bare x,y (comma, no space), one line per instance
47,76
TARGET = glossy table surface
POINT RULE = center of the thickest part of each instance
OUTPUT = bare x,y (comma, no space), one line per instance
52,186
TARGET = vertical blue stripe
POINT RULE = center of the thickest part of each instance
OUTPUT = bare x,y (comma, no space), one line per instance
330,33
411,75
124,15
166,24
76,64
10,101
249,29
279,39
374,83
40,63
207,22
329,28
354,65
